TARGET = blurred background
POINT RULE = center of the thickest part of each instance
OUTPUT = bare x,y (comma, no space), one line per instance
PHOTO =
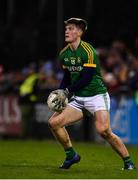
31,36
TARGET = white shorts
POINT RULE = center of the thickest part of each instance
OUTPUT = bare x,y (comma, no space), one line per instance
92,104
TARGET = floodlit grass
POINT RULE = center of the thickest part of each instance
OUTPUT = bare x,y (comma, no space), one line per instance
30,159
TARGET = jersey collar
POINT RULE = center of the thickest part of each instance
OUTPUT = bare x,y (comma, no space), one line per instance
77,47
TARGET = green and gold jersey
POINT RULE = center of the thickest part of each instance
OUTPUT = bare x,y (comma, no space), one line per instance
74,61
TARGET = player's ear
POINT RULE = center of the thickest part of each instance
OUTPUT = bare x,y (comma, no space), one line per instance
80,32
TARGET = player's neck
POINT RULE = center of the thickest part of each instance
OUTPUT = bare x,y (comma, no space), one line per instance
74,45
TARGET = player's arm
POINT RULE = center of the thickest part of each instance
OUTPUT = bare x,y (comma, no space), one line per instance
85,77
66,79
66,74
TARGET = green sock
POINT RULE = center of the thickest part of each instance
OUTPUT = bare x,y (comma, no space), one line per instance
127,159
70,153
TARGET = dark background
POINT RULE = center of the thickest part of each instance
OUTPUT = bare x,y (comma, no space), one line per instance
34,29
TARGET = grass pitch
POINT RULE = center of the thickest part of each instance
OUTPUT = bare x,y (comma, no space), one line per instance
30,159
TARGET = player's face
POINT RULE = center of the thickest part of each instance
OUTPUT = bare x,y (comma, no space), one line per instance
72,33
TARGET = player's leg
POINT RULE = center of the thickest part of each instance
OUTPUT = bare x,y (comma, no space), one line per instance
99,105
57,124
60,133
102,122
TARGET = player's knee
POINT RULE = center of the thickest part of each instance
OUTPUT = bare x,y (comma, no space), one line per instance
51,124
104,132
54,123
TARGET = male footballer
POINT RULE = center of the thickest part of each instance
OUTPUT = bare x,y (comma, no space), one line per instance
83,79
